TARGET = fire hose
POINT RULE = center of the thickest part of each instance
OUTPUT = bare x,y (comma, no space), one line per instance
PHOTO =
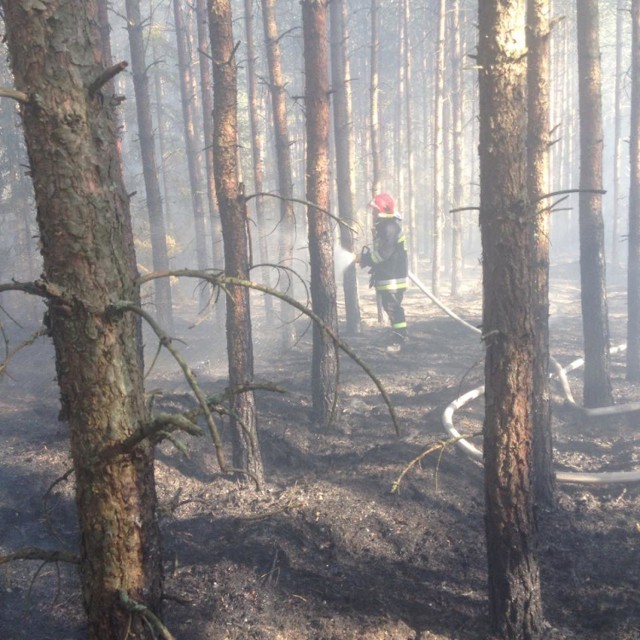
560,373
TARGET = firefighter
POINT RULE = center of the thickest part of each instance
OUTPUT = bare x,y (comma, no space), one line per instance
388,264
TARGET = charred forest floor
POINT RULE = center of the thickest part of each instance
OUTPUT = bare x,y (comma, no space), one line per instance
328,551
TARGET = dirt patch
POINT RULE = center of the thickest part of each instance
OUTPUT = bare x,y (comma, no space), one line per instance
328,551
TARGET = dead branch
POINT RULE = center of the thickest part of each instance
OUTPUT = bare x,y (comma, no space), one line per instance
564,191
150,618
219,279
29,341
166,342
161,427
45,555
438,446
19,96
105,76
306,203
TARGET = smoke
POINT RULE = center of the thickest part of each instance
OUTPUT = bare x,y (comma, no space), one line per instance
341,260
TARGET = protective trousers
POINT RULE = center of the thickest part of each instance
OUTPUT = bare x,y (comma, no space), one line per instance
392,304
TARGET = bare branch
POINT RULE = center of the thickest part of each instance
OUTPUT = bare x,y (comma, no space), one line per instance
135,607
218,279
35,553
19,96
105,76
29,341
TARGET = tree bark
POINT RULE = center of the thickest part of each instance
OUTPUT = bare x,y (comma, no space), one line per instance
438,215
633,274
506,219
323,287
457,70
160,257
595,321
343,136
194,158
256,151
538,184
82,212
233,214
410,201
283,155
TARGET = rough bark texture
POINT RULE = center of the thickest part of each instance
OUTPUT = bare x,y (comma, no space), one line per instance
283,155
155,211
233,214
82,212
506,220
538,160
323,286
633,285
343,135
595,322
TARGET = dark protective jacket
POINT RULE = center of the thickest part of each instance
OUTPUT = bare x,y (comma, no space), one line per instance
389,256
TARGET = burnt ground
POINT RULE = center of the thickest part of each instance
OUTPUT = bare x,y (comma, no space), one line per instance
328,551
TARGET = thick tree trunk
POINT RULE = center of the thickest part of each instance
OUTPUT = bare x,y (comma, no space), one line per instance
82,211
538,183
595,320
633,283
506,220
233,213
283,154
343,136
159,251
323,286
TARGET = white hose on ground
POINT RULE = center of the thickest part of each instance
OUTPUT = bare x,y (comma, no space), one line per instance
576,477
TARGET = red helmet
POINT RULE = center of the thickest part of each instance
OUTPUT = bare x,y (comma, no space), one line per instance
384,203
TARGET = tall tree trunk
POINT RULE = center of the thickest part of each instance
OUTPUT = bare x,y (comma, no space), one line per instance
633,283
256,149
457,70
323,286
82,212
617,141
283,153
149,167
193,147
233,214
206,92
438,215
343,136
538,184
376,152
595,321
376,159
410,201
506,219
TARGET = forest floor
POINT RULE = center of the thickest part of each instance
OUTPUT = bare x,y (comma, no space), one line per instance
328,551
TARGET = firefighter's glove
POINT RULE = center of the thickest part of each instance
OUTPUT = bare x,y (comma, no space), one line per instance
365,258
